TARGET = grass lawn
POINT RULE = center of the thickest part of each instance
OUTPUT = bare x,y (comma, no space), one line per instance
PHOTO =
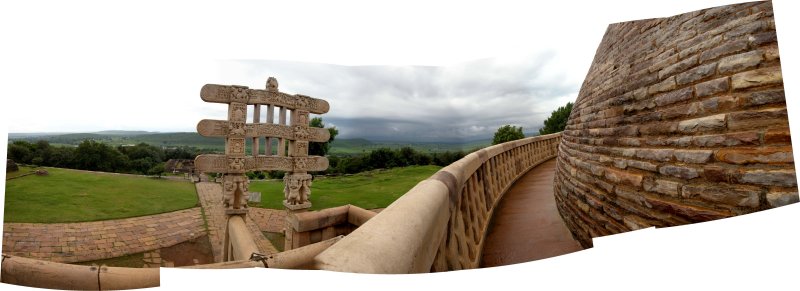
73,196
374,189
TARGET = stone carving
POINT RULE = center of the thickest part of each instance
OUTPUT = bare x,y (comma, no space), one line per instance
301,148
297,188
238,112
272,84
301,132
220,163
235,189
239,94
236,129
222,128
236,165
236,145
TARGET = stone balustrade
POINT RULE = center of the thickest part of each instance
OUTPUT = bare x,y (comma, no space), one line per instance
52,275
440,224
304,228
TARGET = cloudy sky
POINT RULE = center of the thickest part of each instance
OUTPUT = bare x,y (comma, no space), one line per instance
408,70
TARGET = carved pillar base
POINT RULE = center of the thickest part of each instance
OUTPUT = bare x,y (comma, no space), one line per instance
296,207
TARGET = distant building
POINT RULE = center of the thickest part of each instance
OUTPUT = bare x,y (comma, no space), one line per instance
179,166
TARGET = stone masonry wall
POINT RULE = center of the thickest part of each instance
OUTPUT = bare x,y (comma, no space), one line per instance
680,120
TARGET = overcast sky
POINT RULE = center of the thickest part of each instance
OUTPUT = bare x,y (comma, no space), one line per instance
409,70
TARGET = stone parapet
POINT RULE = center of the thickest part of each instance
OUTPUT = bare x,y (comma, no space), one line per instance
441,223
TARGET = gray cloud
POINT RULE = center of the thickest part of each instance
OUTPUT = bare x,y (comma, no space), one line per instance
424,103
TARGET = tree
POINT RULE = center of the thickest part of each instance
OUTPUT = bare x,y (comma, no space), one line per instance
507,133
95,156
321,148
20,152
158,169
382,158
557,120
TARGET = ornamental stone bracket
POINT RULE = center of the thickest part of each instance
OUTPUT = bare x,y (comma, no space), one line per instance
292,136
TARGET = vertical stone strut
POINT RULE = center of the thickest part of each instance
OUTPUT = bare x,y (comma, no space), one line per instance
235,163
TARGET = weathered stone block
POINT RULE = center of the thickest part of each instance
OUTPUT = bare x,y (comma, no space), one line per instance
658,128
724,49
678,67
748,28
703,45
777,199
664,86
634,222
674,96
708,123
681,111
773,117
617,176
760,77
642,165
762,38
682,172
782,178
729,139
712,87
662,155
695,74
662,186
764,155
771,52
693,156
693,213
716,104
762,97
734,195
780,135
739,62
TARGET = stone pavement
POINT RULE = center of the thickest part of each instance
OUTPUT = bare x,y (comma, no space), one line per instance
526,225
270,220
88,241
211,198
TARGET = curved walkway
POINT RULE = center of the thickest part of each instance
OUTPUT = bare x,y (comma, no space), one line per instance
526,225
88,241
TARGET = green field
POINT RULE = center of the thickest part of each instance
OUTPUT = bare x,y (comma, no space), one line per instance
374,189
74,196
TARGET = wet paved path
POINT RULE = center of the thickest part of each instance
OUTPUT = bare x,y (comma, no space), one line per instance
526,225
88,241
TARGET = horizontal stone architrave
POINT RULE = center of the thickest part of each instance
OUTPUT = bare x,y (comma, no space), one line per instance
224,94
410,235
219,128
219,163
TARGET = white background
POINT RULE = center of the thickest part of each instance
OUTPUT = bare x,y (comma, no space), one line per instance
171,49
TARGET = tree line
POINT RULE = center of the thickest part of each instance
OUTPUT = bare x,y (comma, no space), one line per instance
96,156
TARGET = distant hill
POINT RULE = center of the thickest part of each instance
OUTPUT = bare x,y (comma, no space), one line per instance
123,132
192,139
171,139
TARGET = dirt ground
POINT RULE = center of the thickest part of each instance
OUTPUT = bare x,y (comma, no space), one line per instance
189,253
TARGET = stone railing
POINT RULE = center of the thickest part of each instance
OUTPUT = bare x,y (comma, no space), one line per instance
304,228
440,224
44,274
